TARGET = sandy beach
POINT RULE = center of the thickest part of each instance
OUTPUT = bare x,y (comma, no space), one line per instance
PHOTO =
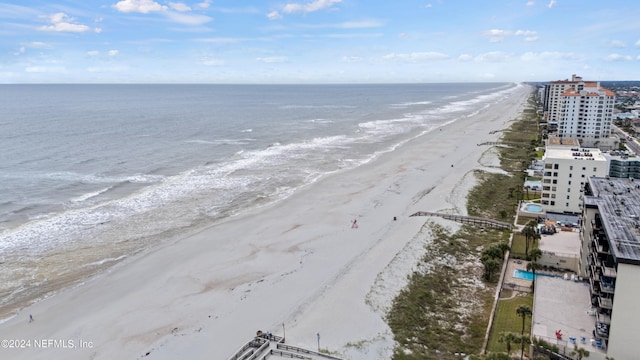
298,263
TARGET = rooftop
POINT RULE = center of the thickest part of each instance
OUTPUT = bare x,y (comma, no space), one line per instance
563,305
561,243
576,153
618,201
558,141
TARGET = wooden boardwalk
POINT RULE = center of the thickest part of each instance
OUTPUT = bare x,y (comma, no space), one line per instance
473,220
270,346
502,143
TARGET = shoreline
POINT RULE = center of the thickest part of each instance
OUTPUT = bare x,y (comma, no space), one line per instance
297,261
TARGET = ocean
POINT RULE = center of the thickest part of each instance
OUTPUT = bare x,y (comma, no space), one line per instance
93,174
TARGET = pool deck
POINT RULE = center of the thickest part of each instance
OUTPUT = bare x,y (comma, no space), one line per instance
522,210
562,305
514,265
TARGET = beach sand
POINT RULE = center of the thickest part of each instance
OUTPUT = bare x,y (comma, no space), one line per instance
298,263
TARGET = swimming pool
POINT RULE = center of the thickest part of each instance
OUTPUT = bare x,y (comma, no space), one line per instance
533,208
527,275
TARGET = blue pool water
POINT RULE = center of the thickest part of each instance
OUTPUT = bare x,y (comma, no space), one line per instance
533,208
527,275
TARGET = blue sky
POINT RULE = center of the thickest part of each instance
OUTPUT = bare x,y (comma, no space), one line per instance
317,41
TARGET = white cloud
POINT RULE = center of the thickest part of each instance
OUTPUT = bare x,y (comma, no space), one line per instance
204,5
107,69
273,59
525,33
274,15
416,57
113,52
141,6
531,3
20,51
548,55
465,57
492,56
309,7
219,40
351,59
552,3
428,6
63,23
212,62
93,53
45,69
617,44
498,35
637,43
38,45
360,24
179,6
188,19
618,57
238,10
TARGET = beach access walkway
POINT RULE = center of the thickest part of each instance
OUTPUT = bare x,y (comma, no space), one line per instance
468,220
265,346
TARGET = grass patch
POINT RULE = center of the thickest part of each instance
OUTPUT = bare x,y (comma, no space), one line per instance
440,312
519,246
523,220
506,319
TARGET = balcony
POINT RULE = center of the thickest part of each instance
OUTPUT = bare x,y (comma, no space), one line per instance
607,286
602,325
594,285
600,246
605,302
609,270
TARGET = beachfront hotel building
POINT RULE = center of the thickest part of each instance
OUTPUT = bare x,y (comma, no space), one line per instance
552,91
566,170
582,110
610,261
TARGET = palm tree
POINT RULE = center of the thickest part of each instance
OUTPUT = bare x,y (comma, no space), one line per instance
529,231
523,311
533,267
508,338
492,252
490,265
523,340
503,246
535,238
580,352
535,254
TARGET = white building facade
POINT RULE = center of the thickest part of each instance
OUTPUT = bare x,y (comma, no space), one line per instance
566,170
552,104
586,114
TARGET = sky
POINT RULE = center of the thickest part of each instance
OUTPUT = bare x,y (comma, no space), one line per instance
317,41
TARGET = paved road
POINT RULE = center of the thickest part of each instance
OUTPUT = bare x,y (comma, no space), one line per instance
632,144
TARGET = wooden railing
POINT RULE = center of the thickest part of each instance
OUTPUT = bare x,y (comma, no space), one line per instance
468,220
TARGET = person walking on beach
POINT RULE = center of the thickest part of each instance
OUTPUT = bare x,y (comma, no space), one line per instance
30,318
354,224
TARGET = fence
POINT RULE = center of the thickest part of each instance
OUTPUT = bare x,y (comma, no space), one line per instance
516,287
